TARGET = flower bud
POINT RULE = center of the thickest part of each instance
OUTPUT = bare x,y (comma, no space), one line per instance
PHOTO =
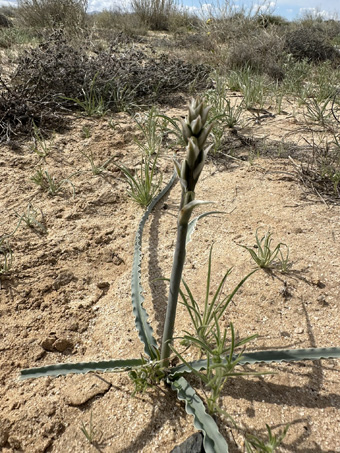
192,152
204,135
186,131
196,125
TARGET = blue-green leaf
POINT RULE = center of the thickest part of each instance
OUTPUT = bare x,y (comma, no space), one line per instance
276,355
145,331
213,440
62,369
289,355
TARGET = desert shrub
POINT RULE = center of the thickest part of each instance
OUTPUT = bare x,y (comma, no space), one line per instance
10,37
56,76
154,13
182,21
310,44
8,11
5,22
198,41
261,51
53,69
224,29
330,28
270,20
119,21
148,79
70,14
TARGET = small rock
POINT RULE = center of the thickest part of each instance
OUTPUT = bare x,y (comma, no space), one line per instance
14,442
39,355
63,279
74,327
285,334
103,285
322,301
47,343
62,344
50,409
317,282
4,432
299,330
83,389
117,260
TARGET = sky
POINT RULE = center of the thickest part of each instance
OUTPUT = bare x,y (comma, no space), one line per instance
290,9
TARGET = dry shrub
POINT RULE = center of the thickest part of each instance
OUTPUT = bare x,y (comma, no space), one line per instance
198,41
5,22
70,14
261,51
226,29
119,21
154,14
49,77
310,44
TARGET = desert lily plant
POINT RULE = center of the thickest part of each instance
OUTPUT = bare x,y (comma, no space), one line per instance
220,356
265,254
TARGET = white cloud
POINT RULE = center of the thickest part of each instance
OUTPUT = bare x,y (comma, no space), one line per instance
100,5
8,3
315,12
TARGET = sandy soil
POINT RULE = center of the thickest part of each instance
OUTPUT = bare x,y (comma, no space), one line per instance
67,296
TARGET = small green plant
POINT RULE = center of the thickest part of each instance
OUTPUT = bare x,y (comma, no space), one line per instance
255,445
86,132
40,145
145,183
92,101
318,111
89,431
253,86
33,218
48,183
96,169
264,256
223,113
147,375
204,321
151,125
221,361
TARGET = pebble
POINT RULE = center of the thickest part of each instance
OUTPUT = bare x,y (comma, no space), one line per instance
47,343
62,344
52,344
299,330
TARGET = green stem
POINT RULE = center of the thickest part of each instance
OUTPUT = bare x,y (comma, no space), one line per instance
175,281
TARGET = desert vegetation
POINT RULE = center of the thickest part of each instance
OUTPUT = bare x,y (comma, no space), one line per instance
114,128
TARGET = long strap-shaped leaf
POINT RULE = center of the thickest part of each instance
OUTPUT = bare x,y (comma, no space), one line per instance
145,331
213,440
290,355
276,355
80,368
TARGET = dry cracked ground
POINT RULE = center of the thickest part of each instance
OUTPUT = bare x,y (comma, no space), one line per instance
67,295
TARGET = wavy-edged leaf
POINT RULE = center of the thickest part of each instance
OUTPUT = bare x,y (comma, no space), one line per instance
213,440
145,331
290,355
183,368
62,369
193,222
277,355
